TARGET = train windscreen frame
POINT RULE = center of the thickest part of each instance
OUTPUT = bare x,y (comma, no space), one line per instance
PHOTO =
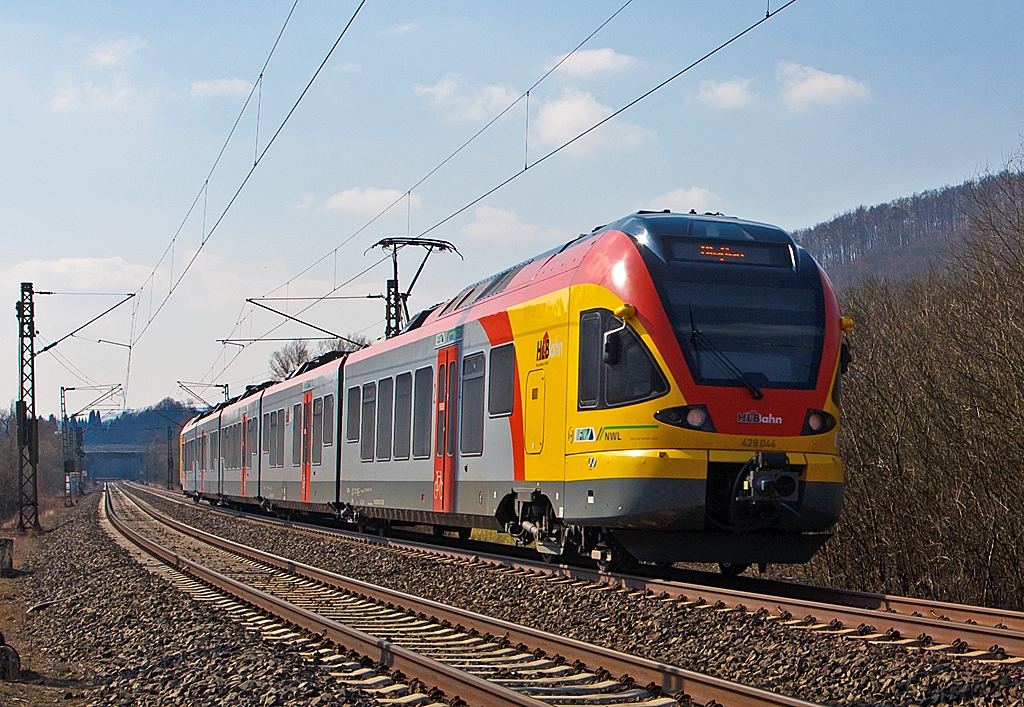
768,322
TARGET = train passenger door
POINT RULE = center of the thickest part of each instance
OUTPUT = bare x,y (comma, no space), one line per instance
534,415
203,445
446,408
307,441
244,462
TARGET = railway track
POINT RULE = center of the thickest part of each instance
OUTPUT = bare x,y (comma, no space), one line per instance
453,652
971,632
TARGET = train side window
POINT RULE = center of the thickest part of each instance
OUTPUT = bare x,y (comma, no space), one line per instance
273,438
502,383
636,375
328,420
471,437
403,414
296,434
317,428
352,428
280,437
422,413
385,409
215,450
266,433
591,331
252,443
369,414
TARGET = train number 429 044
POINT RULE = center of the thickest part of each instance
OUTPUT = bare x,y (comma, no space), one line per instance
758,443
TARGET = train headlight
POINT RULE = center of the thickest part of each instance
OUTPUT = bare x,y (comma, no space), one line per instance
818,422
691,417
696,417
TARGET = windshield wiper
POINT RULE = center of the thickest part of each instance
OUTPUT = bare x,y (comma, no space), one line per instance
723,362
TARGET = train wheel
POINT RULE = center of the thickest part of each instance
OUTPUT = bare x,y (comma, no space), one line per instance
732,569
464,533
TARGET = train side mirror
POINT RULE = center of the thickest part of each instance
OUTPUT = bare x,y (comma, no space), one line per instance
612,347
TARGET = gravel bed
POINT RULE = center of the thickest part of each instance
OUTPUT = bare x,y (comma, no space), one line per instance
734,646
137,640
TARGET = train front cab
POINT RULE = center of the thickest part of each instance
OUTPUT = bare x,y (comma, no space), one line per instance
745,479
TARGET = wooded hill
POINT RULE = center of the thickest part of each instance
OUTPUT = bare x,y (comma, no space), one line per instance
933,403
898,239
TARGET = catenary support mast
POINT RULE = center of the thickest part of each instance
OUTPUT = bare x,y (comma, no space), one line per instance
28,426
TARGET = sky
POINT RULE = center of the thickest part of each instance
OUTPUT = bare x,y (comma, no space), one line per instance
113,114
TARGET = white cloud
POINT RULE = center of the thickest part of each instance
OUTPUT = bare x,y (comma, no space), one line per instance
119,94
348,67
108,55
451,95
804,86
682,200
79,274
397,30
220,87
587,62
368,202
566,117
726,94
499,225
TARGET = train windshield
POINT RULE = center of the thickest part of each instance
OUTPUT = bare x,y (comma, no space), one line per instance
743,326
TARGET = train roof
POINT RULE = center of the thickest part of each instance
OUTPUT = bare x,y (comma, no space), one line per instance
661,223
694,225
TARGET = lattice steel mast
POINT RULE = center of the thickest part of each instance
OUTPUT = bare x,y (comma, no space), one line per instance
27,424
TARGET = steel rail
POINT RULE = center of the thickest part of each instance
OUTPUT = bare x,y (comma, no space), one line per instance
669,678
984,629
451,681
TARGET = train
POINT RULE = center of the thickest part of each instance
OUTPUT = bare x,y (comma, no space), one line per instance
665,388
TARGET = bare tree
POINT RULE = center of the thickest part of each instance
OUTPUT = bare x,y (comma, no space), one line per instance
287,359
351,342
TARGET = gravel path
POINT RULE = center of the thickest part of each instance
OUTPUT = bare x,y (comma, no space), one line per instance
739,647
134,639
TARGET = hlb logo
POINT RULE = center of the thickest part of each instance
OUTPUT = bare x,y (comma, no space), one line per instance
755,417
548,348
544,348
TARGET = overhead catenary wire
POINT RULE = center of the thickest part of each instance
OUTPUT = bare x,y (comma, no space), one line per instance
407,195
245,180
595,126
527,165
408,192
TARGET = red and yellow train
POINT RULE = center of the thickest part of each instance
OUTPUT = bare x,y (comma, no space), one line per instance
665,387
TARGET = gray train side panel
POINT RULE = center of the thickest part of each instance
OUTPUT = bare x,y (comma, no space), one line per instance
285,482
481,480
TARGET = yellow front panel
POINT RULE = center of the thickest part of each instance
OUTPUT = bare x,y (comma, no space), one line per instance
824,468
637,464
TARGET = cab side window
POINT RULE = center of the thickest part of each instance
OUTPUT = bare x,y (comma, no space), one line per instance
615,367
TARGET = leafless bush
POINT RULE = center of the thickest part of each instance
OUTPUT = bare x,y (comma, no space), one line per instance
933,436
